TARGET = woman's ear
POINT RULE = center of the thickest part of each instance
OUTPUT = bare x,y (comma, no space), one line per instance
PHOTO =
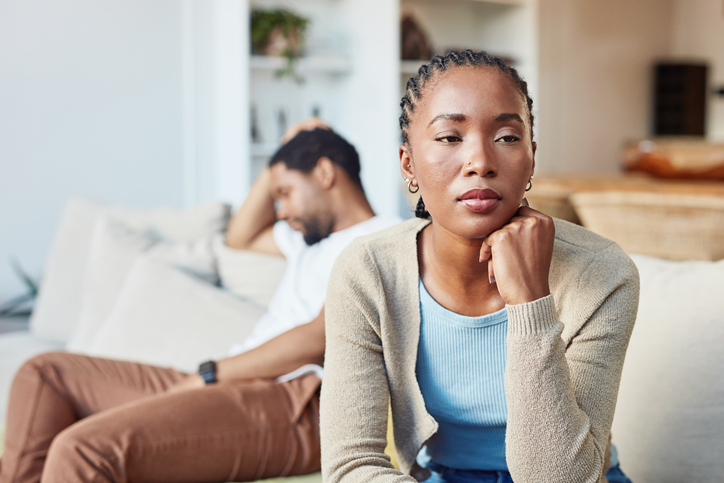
325,173
406,162
532,168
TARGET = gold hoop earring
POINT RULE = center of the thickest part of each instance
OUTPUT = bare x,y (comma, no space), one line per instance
530,185
409,187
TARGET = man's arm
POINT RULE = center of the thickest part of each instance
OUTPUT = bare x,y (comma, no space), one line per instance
251,228
279,356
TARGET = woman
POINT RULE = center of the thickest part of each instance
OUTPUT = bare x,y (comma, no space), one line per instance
496,333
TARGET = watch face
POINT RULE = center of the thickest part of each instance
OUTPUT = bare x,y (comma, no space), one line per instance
207,371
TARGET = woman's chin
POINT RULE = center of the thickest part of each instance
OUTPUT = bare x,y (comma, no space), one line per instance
481,226
473,229
467,224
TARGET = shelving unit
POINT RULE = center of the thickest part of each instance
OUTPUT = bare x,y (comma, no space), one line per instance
280,102
305,65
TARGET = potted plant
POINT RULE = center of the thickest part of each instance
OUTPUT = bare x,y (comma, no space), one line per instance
278,32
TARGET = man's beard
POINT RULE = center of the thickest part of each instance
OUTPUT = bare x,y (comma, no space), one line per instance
315,230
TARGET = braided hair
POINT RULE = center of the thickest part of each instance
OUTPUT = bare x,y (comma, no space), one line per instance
440,63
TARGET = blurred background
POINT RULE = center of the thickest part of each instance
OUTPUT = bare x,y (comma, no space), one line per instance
173,103
160,114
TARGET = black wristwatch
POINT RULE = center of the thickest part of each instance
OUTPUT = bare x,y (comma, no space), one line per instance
207,371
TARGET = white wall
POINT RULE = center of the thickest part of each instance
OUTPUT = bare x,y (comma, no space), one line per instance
90,103
595,79
698,33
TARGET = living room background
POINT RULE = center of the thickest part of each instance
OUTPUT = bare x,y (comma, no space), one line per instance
147,103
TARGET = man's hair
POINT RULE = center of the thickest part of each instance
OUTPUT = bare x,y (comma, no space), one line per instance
304,150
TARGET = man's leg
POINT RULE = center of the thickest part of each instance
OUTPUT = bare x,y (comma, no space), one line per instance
230,431
54,390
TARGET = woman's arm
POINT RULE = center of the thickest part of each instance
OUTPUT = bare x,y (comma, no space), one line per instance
355,395
561,399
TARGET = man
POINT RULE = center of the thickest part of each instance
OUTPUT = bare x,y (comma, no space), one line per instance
77,418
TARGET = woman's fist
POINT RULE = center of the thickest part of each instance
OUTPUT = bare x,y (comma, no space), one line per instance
519,256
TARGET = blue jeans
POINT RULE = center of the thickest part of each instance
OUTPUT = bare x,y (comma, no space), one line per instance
442,474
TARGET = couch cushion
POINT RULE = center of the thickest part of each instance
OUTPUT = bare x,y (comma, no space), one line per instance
165,317
56,310
16,348
58,306
669,423
113,250
250,275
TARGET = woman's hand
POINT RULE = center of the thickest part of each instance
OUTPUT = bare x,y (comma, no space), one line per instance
519,256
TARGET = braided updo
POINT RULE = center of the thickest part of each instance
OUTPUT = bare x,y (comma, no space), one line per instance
439,63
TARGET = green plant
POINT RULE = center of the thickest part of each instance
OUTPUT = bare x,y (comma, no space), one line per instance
15,306
279,32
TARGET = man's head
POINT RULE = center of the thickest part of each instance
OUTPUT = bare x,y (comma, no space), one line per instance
305,172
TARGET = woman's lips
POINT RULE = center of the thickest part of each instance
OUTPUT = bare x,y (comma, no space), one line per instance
480,200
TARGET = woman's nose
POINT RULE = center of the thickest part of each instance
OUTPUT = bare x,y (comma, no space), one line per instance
480,162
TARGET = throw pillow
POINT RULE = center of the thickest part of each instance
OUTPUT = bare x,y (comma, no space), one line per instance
165,317
250,275
58,306
669,423
114,249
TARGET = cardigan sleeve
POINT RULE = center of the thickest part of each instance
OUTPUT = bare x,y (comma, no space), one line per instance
355,394
561,397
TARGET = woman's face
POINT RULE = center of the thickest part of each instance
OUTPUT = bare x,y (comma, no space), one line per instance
470,150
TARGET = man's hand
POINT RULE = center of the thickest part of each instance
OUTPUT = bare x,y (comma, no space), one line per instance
306,125
519,256
192,381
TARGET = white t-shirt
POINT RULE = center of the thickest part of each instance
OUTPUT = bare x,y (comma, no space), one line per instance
301,293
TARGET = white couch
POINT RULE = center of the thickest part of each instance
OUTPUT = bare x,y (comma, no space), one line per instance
142,285
669,423
154,286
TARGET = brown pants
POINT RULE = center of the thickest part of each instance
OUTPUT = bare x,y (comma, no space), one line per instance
74,418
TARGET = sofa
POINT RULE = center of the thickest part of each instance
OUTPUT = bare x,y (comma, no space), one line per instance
154,286
160,287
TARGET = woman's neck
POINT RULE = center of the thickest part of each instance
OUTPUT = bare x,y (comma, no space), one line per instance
453,275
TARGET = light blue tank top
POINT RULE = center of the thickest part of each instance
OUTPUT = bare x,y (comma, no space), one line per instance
460,368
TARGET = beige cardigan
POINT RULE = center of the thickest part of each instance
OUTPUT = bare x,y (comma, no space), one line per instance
565,355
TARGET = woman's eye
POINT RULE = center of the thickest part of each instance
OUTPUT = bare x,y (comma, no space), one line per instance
508,138
448,139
